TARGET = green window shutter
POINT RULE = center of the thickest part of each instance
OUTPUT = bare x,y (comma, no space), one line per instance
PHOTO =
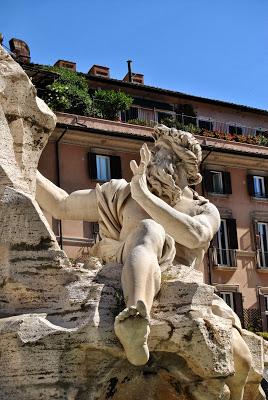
116,172
266,186
208,181
238,305
250,185
227,185
263,313
232,233
92,165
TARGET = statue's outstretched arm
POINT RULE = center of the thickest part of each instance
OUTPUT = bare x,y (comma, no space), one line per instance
79,205
192,232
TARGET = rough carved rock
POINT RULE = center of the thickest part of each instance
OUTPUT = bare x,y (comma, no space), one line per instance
75,353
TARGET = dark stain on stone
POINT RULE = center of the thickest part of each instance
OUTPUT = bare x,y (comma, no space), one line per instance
176,385
210,330
111,388
188,337
126,379
44,244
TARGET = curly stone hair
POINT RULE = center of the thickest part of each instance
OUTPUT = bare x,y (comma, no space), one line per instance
185,147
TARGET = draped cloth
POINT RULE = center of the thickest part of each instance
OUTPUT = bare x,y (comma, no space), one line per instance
111,199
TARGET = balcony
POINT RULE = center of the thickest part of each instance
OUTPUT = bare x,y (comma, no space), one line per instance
260,195
222,258
262,259
208,127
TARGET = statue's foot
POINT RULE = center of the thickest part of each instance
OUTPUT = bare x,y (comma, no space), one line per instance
132,329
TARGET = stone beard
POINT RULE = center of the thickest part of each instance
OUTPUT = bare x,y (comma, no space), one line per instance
168,158
161,178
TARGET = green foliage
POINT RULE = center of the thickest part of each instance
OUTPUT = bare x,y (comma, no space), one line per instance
262,140
172,122
110,102
141,122
263,334
186,109
69,93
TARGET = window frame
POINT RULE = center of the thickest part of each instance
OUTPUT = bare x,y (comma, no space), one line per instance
206,120
232,300
220,174
220,249
226,181
262,180
266,303
262,253
115,165
236,127
106,157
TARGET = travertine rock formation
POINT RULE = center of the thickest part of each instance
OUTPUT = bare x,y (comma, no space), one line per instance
75,354
56,328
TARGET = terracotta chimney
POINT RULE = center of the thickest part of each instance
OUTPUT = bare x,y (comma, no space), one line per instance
135,78
21,50
99,70
65,64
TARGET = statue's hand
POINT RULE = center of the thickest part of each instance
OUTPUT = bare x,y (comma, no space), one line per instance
138,183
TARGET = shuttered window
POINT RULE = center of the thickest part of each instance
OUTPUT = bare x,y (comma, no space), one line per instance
104,167
205,124
234,301
224,244
263,299
257,186
228,297
235,130
217,182
262,244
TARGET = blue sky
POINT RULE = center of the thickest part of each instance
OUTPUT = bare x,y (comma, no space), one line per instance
210,48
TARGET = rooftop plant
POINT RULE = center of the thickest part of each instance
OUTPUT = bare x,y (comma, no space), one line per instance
68,93
110,102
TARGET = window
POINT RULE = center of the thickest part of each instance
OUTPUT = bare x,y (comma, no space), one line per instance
224,244
205,124
147,115
162,116
104,167
257,186
228,297
266,303
233,299
235,130
217,182
223,256
130,114
261,131
262,230
263,302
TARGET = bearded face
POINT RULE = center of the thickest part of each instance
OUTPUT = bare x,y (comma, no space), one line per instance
164,175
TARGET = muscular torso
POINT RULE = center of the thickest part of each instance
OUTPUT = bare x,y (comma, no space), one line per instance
133,214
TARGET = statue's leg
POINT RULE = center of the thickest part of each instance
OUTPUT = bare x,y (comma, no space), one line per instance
141,278
242,364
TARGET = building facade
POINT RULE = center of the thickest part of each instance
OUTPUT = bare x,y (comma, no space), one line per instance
84,151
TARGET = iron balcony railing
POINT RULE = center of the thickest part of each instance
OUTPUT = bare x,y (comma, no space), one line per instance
152,117
260,195
262,259
222,257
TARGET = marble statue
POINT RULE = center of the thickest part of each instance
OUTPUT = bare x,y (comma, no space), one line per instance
56,319
145,225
